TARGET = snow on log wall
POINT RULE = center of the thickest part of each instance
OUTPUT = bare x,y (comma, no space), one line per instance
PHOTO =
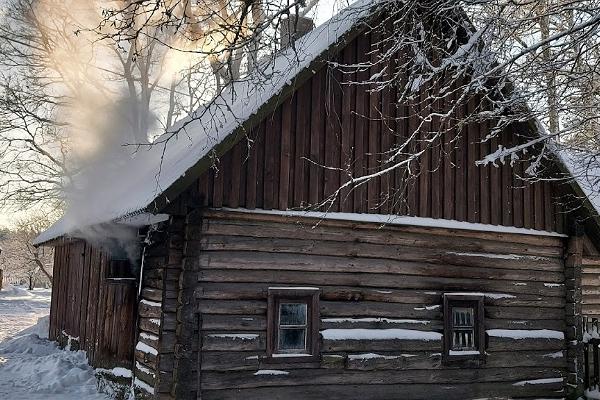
85,306
380,308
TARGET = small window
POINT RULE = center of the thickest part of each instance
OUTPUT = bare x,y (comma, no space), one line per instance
464,338
120,270
293,324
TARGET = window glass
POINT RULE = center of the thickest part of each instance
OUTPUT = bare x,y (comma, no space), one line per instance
292,339
292,314
120,269
292,326
463,328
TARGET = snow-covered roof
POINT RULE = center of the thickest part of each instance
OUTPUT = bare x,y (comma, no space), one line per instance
584,168
150,172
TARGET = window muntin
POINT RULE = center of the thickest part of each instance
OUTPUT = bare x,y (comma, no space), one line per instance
293,325
464,335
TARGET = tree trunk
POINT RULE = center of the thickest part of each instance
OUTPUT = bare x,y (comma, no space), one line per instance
41,265
551,95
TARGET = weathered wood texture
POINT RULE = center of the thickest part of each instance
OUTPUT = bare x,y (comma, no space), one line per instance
328,122
590,286
150,318
373,277
85,305
158,313
573,313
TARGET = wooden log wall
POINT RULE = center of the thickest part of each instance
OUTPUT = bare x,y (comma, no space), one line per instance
329,122
158,356
150,317
84,305
590,286
375,277
590,279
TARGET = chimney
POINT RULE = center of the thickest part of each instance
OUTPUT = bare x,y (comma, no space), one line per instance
293,28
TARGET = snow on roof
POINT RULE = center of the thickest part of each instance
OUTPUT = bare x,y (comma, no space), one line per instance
584,167
150,172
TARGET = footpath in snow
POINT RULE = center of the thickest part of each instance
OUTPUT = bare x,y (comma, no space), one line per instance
32,367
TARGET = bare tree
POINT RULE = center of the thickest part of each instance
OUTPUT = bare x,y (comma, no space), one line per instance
535,60
519,61
67,99
20,259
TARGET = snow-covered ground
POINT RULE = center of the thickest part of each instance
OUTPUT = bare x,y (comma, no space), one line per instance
20,309
32,367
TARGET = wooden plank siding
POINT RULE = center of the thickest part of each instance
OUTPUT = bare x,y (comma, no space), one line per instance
84,305
373,277
303,150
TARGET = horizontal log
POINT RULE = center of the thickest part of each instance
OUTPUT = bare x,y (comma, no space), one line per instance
153,283
590,290
366,346
380,391
149,326
231,360
247,379
349,322
552,324
342,229
253,322
377,251
150,339
523,313
153,262
495,343
152,294
146,358
154,273
330,309
145,374
258,291
591,262
234,322
393,360
232,307
590,280
284,277
230,341
586,299
241,260
590,309
146,310
419,360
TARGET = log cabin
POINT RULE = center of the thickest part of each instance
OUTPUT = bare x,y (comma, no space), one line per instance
459,282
